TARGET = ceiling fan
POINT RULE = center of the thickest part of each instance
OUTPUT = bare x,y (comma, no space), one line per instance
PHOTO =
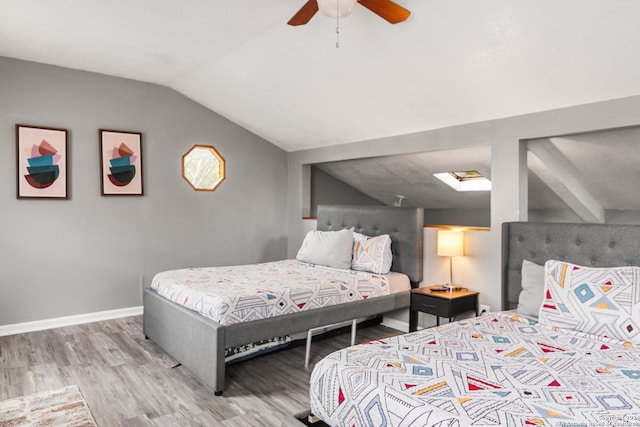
386,9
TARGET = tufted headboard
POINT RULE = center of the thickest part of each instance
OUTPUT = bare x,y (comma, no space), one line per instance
597,245
404,225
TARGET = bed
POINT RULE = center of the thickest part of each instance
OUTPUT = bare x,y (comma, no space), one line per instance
199,343
508,368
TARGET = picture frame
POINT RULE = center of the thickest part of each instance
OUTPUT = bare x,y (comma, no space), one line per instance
41,162
121,163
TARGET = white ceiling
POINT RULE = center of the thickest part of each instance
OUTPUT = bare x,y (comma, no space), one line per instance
606,164
451,62
411,176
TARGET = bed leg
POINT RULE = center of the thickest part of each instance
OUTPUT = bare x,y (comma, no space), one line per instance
312,419
308,351
354,324
218,393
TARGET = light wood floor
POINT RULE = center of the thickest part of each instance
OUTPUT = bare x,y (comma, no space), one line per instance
128,381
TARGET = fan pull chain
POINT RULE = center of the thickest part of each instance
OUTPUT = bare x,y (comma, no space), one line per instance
337,24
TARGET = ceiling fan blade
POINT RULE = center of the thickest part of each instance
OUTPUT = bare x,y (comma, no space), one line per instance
305,13
386,9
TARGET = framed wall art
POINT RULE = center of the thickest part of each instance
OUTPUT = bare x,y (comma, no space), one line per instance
121,163
41,162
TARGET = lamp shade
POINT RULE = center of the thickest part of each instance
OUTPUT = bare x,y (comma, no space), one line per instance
450,243
335,8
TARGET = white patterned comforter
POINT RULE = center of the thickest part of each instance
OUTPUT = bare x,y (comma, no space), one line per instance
496,370
249,292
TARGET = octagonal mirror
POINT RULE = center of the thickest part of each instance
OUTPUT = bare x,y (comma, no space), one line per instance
203,168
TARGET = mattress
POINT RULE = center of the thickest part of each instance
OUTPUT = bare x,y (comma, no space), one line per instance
244,293
499,369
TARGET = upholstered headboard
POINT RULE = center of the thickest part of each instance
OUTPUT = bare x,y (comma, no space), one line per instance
404,225
591,245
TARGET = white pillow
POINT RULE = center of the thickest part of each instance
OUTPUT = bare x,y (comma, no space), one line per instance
598,301
532,294
372,253
329,248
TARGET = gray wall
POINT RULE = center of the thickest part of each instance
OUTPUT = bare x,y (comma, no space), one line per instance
622,217
553,215
327,189
611,216
94,253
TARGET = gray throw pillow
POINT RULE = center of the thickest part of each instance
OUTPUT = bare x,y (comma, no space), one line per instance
532,293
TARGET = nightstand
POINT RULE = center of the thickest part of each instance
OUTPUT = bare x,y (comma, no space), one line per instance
440,304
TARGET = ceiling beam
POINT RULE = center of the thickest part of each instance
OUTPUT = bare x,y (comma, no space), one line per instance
563,178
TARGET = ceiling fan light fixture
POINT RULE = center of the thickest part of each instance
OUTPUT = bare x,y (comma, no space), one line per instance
336,8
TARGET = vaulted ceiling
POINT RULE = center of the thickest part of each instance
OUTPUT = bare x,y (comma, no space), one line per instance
451,62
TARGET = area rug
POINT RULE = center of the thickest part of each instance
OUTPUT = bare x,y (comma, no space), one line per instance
61,407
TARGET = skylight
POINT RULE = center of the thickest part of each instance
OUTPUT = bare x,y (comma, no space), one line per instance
465,180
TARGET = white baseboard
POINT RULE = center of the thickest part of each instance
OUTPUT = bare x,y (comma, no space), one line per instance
58,322
395,324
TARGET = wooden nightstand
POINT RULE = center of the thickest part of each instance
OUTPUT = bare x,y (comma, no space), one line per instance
440,304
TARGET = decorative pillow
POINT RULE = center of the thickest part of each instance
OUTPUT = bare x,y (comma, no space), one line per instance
330,248
372,253
531,296
599,301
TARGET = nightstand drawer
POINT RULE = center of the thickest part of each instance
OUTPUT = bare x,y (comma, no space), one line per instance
440,304
461,305
430,305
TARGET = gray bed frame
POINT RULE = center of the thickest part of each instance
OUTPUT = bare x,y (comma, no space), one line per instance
198,343
591,245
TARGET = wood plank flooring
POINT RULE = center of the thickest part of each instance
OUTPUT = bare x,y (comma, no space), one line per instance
128,381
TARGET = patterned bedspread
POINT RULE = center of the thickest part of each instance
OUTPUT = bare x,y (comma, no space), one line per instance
249,292
495,370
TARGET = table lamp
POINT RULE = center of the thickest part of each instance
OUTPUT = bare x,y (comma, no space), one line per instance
450,243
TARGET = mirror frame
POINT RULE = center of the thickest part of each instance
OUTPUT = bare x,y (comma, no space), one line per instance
221,162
